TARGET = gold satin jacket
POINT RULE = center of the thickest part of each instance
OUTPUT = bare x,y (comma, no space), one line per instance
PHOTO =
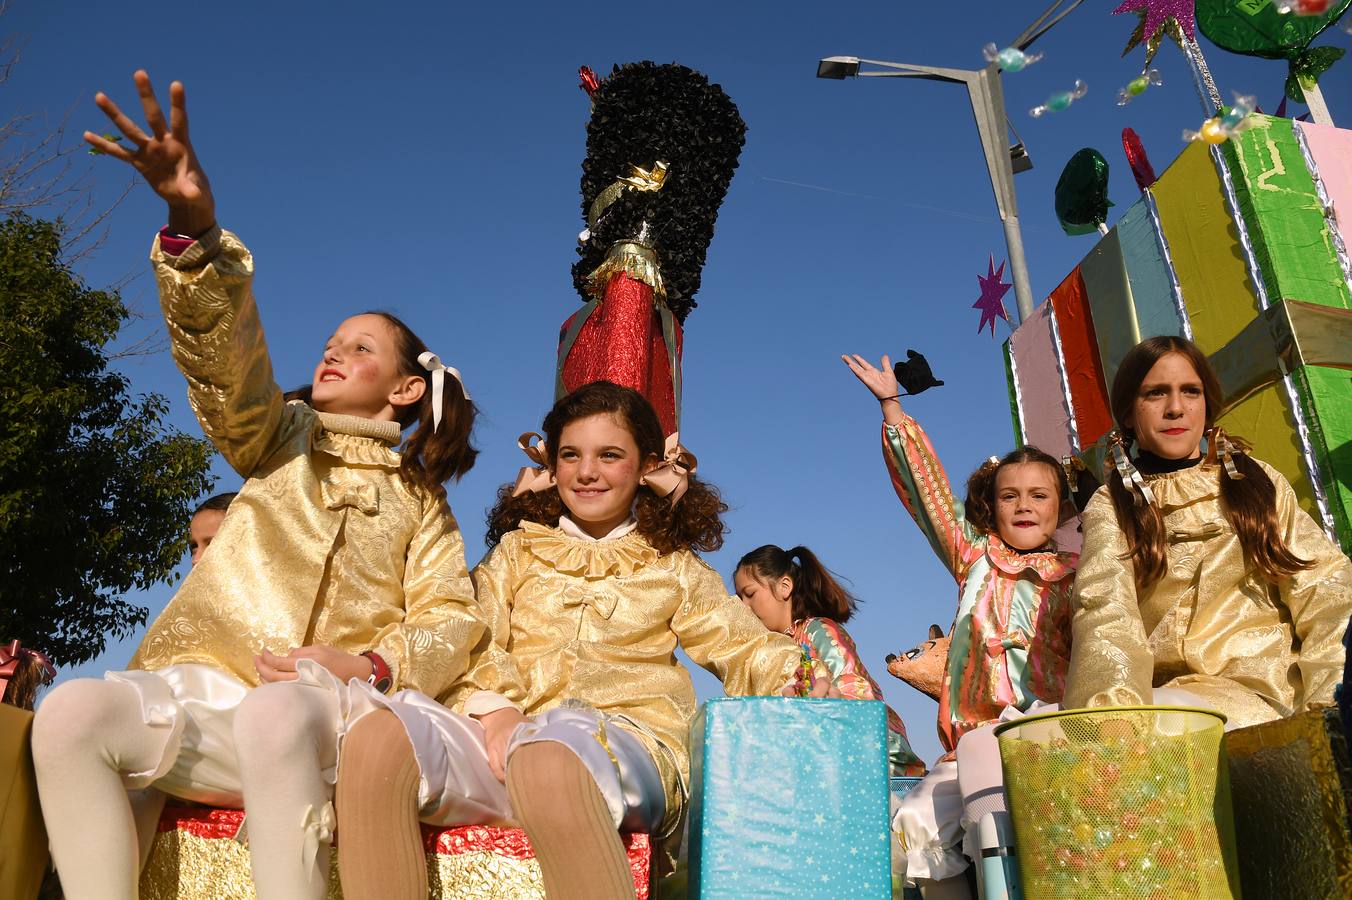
1211,625
599,621
326,542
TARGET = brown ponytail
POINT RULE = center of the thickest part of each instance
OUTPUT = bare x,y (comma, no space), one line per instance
1250,502
693,523
816,593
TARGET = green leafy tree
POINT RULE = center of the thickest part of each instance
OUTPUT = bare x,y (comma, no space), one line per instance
95,487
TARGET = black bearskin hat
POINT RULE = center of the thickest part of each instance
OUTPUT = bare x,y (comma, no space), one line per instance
644,113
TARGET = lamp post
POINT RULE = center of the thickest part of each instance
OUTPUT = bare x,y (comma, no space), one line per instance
988,107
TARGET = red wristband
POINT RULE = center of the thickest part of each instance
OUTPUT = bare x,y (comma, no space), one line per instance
381,678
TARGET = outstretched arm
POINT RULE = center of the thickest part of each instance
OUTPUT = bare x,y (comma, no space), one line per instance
917,475
206,291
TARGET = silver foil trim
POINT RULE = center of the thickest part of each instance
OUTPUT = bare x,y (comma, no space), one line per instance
1065,381
1293,398
1018,395
1162,242
1330,218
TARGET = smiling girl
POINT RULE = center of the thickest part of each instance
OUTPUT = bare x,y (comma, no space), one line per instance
1010,641
574,718
339,557
1203,580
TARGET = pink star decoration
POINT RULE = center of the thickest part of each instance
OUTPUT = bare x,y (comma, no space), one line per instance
1159,17
993,290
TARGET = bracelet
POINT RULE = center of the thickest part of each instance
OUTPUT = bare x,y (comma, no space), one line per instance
896,397
380,678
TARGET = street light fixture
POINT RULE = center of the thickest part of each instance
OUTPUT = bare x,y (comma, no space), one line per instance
988,107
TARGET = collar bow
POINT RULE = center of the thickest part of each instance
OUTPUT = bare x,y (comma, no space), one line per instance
362,495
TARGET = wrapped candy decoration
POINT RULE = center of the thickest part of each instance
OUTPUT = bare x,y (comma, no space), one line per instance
1010,59
1137,86
1219,128
1303,7
1060,100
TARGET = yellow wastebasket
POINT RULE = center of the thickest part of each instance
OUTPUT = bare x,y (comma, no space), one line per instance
1121,802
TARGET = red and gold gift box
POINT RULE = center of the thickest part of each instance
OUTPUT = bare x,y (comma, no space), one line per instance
196,857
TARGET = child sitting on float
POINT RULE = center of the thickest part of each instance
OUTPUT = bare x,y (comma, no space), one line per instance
1010,641
791,592
339,553
574,718
1203,581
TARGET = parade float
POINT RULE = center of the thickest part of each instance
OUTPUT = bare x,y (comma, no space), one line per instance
1240,244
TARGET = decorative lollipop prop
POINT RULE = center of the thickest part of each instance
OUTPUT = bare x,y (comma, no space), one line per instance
1010,59
1265,32
1137,86
991,302
1219,128
1141,169
1082,193
1060,100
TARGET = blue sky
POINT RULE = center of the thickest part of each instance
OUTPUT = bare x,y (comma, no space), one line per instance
425,157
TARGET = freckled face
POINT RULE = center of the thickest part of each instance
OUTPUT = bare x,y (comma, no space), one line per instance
597,468
770,601
1168,415
359,371
1027,504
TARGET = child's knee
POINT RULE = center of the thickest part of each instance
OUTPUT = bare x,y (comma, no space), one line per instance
73,720
537,770
276,719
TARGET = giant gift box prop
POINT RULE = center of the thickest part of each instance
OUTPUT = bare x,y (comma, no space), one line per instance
789,798
1243,248
1292,787
196,857
23,840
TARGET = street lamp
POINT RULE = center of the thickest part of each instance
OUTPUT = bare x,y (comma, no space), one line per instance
988,107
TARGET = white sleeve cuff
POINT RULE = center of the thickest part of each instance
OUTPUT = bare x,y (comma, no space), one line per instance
481,703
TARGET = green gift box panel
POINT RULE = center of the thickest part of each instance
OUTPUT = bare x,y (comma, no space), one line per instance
1242,248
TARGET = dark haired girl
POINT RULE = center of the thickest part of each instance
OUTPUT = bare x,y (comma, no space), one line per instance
791,592
1010,641
339,554
574,718
1201,572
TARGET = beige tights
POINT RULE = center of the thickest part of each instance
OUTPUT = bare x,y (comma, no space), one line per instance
568,823
380,854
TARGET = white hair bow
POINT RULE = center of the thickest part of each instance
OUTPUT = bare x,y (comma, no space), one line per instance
432,363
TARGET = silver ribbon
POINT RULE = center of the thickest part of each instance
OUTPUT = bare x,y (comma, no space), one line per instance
1130,475
432,363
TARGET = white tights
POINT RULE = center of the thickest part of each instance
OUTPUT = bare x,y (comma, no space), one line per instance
90,736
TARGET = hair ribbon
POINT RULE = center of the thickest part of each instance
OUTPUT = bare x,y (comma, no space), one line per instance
671,478
433,364
1218,444
534,478
1130,475
12,654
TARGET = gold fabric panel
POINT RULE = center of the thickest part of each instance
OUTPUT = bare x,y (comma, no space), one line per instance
599,621
326,543
1210,626
1291,787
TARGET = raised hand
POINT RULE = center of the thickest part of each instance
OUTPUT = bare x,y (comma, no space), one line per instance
164,157
879,381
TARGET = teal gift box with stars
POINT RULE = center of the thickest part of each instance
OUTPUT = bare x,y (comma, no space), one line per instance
789,798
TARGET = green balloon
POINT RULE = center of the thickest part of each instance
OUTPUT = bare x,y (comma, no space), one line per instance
1255,28
1082,192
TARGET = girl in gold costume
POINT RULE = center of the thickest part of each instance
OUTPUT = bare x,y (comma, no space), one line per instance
574,718
339,553
1201,579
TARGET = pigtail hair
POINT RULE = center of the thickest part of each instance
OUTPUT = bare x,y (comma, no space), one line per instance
695,522
432,455
979,505
1141,523
1251,506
